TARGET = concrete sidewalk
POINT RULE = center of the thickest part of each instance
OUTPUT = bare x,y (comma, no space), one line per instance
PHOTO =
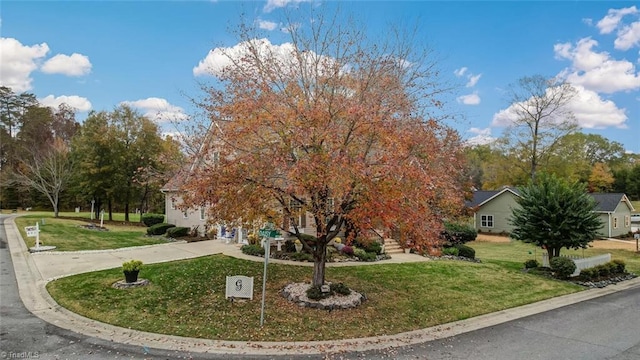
33,271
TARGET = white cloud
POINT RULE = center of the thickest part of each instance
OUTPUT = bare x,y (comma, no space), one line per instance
596,71
158,109
471,99
593,112
220,59
274,4
74,65
482,137
460,72
18,62
628,37
610,22
473,80
589,109
267,25
81,104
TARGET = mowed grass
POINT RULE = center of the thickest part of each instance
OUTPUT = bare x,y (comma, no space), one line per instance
187,298
514,253
69,235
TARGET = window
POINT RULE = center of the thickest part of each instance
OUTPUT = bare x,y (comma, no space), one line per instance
173,203
298,216
615,222
486,221
202,213
627,220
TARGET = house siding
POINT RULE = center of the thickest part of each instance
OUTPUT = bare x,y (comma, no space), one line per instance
500,208
176,216
621,212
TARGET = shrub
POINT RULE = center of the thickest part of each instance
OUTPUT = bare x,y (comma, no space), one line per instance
315,293
289,246
466,251
456,233
450,251
620,266
255,250
340,288
301,256
150,219
347,250
369,245
531,264
364,255
562,267
177,231
132,265
603,270
589,273
159,229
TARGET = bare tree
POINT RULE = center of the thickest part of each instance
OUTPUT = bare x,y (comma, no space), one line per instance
47,171
539,117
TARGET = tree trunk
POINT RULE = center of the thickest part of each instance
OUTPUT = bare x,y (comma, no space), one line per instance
320,259
126,211
110,205
553,252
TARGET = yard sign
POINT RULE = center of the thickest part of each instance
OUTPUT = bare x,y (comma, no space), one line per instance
239,287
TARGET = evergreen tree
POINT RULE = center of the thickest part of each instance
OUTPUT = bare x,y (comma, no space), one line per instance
553,214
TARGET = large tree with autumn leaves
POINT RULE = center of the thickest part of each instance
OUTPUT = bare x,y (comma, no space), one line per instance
345,128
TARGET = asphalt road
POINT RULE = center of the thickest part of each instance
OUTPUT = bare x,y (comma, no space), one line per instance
603,328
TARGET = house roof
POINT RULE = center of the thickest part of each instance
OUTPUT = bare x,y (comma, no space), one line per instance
482,197
175,183
609,201
606,202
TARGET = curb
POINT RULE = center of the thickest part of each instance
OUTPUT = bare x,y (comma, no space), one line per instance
32,289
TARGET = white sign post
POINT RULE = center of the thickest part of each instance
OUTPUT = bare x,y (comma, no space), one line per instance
101,217
34,231
264,278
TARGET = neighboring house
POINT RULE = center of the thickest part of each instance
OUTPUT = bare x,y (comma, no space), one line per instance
615,212
492,210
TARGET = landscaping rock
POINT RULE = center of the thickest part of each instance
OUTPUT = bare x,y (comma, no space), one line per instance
297,293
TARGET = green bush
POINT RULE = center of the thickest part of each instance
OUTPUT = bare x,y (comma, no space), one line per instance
255,250
289,246
369,245
364,255
340,288
132,265
301,256
620,266
531,264
562,267
466,251
315,293
177,231
450,251
159,229
589,273
151,219
456,233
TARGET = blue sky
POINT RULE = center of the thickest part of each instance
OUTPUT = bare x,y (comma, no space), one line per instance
96,55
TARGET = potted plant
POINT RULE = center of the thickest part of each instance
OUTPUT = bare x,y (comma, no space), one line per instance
131,269
298,245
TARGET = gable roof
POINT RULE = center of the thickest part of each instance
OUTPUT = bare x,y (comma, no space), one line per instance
482,197
607,202
175,183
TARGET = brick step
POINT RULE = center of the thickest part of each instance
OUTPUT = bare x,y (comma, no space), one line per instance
391,247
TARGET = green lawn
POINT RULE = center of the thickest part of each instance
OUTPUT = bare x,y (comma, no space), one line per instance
68,235
636,205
